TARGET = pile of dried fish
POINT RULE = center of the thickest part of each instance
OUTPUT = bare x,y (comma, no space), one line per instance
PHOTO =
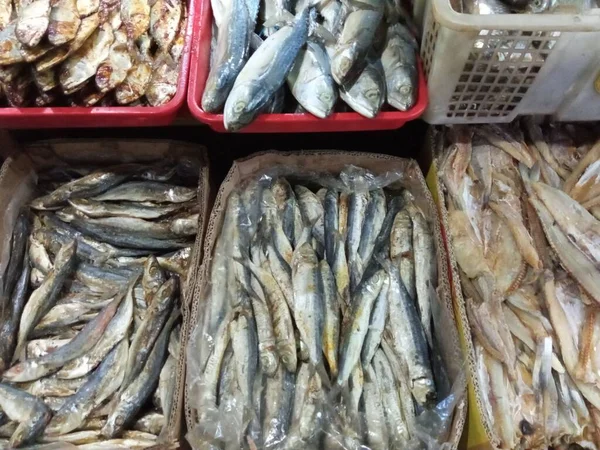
524,210
90,52
318,328
358,49
89,338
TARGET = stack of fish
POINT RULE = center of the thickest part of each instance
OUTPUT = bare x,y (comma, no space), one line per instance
90,52
90,305
524,210
318,327
358,50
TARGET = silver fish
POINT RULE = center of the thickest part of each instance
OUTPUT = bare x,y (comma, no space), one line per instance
408,338
266,337
331,224
52,386
90,185
29,411
12,316
148,332
397,429
399,59
131,400
401,250
101,384
85,340
245,350
312,212
425,266
373,221
311,82
148,191
232,50
308,305
97,209
116,331
264,73
152,279
358,324
376,325
354,42
166,388
377,433
331,320
279,399
38,255
357,207
281,317
42,299
367,94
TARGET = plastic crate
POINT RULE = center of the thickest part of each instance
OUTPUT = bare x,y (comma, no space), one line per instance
493,68
283,123
108,116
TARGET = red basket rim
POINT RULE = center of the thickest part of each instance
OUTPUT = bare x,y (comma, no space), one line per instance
265,122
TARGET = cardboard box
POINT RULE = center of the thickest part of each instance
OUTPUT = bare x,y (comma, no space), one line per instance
18,182
332,162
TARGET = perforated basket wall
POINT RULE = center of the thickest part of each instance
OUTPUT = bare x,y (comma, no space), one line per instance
494,68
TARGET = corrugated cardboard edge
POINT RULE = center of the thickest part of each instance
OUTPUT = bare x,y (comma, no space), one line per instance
316,161
108,151
480,432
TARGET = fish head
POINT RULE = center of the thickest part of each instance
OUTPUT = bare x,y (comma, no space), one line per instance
401,89
369,94
322,98
243,104
215,93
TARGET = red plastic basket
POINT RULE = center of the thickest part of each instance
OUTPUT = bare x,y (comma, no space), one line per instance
108,116
284,123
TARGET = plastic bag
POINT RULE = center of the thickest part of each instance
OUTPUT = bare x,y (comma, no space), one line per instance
298,340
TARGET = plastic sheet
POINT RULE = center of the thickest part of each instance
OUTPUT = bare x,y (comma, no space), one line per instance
308,335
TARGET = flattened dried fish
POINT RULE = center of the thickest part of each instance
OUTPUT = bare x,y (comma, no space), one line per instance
163,82
136,17
64,22
165,18
33,22
113,71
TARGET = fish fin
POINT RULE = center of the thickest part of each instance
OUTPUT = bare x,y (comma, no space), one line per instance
255,41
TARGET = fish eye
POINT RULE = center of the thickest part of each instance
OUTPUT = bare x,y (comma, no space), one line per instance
239,107
372,94
405,89
325,97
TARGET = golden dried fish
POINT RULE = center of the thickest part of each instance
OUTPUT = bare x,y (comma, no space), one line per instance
82,65
504,140
6,10
588,186
33,22
31,54
87,7
592,156
165,17
9,45
177,47
64,22
45,98
136,17
56,56
514,221
136,82
18,92
114,70
577,224
163,83
45,80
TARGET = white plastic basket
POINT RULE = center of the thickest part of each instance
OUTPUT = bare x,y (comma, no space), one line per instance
493,68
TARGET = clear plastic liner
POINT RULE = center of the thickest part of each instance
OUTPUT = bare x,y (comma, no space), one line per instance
287,353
